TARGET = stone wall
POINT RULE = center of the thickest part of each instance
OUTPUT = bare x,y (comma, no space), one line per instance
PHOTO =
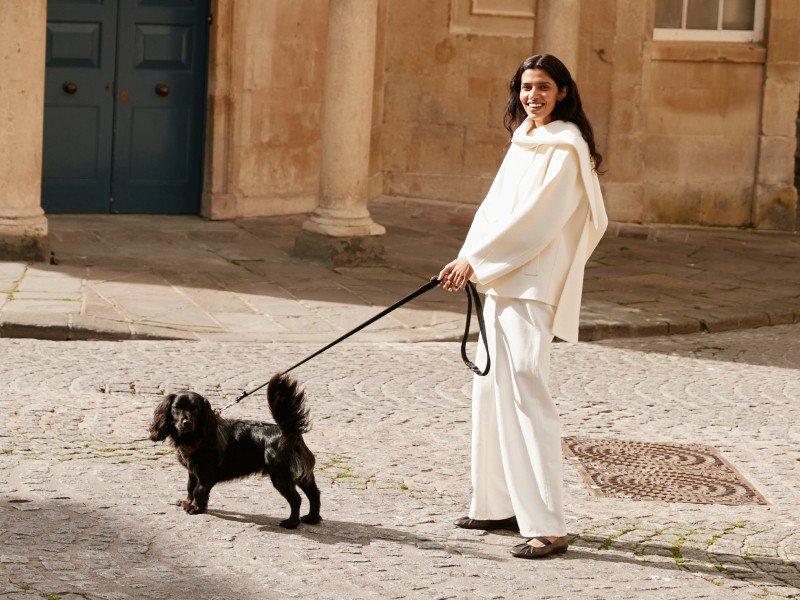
263,143
683,126
775,198
446,74
701,107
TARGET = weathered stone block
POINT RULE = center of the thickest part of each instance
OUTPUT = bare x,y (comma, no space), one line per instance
779,115
631,16
786,71
776,160
437,149
396,146
717,158
662,158
671,203
27,248
776,207
783,34
623,201
693,110
742,110
467,189
484,150
340,251
624,161
626,117
720,52
727,204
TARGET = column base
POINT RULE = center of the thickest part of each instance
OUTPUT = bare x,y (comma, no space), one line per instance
24,239
351,251
342,222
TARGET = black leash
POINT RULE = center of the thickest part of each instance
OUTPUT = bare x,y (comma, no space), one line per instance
472,296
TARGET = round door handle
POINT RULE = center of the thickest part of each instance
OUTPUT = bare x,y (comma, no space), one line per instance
162,89
69,87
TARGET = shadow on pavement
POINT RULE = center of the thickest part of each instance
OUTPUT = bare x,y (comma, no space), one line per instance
333,532
755,348
760,570
56,548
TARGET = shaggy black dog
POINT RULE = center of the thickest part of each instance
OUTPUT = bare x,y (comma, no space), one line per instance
215,449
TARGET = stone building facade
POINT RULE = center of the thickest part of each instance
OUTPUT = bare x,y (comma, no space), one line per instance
325,104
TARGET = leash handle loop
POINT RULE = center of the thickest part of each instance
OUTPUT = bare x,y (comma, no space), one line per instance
472,295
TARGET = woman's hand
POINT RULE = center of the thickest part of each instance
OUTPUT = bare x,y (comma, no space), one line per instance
455,274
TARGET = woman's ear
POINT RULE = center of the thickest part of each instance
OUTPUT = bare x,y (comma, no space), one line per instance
162,419
562,94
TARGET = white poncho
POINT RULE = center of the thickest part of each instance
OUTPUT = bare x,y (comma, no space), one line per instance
540,221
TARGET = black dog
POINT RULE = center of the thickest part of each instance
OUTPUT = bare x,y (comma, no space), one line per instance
215,449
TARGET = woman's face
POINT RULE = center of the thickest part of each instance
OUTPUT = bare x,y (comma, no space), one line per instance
538,94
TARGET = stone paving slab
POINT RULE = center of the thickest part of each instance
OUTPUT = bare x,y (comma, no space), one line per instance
84,497
172,277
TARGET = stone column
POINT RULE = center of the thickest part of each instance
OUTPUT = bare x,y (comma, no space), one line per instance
23,226
775,197
341,230
623,186
557,31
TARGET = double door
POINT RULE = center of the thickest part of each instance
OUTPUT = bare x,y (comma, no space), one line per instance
124,101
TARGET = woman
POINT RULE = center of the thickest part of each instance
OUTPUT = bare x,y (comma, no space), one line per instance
526,250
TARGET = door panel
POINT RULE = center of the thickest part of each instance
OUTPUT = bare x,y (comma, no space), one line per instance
79,105
161,52
157,157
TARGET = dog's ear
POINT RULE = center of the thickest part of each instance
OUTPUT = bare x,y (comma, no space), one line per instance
208,418
162,419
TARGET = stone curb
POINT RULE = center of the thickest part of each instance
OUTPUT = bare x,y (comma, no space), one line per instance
60,327
682,233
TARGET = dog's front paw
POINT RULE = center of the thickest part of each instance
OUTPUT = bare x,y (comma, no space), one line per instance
193,509
311,519
289,523
184,504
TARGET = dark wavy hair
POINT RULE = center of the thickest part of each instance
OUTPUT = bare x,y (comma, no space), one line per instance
569,109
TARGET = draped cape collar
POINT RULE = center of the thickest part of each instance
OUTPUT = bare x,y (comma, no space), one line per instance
565,132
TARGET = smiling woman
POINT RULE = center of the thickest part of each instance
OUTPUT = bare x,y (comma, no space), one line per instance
538,94
553,78
526,250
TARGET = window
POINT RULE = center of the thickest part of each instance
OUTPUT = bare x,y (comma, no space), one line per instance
709,20
491,17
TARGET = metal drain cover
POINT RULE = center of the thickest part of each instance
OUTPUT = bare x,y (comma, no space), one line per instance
696,473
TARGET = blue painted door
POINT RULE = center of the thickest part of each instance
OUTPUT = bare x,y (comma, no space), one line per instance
79,106
147,153
160,88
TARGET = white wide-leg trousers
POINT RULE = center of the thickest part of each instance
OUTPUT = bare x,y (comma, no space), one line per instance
516,434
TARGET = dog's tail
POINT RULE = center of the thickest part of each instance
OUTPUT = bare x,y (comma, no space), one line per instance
287,404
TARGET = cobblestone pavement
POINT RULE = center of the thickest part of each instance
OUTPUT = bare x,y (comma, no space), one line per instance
85,499
140,276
